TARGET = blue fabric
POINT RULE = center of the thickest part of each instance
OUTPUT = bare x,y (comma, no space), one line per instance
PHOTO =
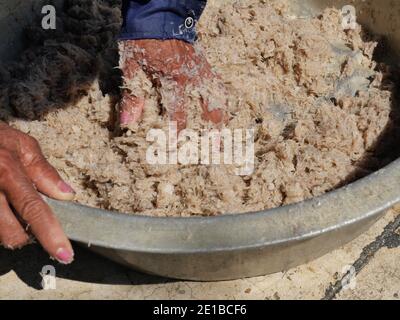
161,19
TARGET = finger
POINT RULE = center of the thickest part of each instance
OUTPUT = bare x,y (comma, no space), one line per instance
174,102
32,209
131,109
42,174
131,106
208,78
12,234
216,116
180,118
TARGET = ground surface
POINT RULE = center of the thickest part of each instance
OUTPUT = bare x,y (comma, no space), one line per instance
374,259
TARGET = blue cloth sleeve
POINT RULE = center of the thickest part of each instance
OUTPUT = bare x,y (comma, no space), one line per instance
161,19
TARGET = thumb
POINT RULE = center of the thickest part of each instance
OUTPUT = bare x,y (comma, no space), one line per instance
43,175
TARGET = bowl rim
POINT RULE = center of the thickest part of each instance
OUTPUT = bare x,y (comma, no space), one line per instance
334,210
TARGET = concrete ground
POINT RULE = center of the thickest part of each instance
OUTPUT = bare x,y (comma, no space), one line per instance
367,268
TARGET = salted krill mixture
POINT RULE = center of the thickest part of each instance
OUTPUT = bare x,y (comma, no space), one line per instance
321,108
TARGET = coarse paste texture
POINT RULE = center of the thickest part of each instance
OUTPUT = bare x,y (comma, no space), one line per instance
321,108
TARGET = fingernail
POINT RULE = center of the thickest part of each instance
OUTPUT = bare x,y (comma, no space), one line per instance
64,256
125,118
65,188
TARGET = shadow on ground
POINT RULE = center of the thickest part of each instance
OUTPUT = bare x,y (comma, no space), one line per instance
28,262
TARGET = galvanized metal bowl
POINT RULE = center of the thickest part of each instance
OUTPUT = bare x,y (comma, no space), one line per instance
243,245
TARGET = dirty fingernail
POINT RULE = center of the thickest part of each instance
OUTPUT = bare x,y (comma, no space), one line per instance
125,118
65,188
64,256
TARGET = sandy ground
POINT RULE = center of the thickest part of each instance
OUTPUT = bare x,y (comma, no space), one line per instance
375,257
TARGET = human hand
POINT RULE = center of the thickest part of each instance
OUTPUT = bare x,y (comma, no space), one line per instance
23,173
176,61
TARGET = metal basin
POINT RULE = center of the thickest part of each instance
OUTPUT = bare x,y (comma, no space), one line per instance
244,245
